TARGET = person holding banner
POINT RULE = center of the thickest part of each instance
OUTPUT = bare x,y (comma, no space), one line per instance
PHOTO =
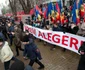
56,28
81,65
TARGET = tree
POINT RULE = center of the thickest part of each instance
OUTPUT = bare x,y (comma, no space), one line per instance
26,5
13,6
3,10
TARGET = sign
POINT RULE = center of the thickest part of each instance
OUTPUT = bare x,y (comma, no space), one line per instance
65,40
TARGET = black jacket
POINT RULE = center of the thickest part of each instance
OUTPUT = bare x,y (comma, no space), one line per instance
31,50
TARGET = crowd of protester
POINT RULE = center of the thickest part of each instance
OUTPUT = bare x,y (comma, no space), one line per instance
11,33
56,25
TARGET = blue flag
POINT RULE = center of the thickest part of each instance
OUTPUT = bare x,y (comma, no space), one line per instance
74,16
49,9
80,3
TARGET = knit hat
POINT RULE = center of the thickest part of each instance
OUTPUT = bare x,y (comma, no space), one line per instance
17,65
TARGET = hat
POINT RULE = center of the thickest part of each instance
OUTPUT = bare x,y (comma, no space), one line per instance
17,65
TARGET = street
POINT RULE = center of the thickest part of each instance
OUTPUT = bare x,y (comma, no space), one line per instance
53,60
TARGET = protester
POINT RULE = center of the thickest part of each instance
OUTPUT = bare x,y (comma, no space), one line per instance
10,33
25,42
33,53
55,28
18,38
6,54
21,25
81,65
2,36
81,30
74,28
17,65
4,31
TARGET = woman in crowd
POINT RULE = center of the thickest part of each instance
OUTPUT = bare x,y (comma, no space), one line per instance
6,54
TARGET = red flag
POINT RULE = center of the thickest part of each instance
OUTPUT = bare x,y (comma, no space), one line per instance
62,18
58,12
57,8
37,8
32,11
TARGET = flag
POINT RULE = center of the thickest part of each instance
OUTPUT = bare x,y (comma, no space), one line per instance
49,9
38,13
38,16
74,15
81,7
44,12
57,8
82,11
57,12
80,2
38,9
62,16
31,11
60,5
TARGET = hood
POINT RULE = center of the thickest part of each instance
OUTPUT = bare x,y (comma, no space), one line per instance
5,44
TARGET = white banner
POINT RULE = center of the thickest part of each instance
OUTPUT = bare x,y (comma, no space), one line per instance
67,40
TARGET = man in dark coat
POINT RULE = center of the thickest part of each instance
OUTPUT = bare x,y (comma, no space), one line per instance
2,36
21,25
81,65
33,53
10,33
74,28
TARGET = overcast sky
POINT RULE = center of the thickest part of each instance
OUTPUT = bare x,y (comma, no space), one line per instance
2,2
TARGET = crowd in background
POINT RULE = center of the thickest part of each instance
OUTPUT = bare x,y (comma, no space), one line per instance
57,25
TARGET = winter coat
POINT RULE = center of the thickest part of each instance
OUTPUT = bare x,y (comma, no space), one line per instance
74,30
32,51
6,53
26,38
56,28
81,30
81,65
2,36
11,29
18,37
